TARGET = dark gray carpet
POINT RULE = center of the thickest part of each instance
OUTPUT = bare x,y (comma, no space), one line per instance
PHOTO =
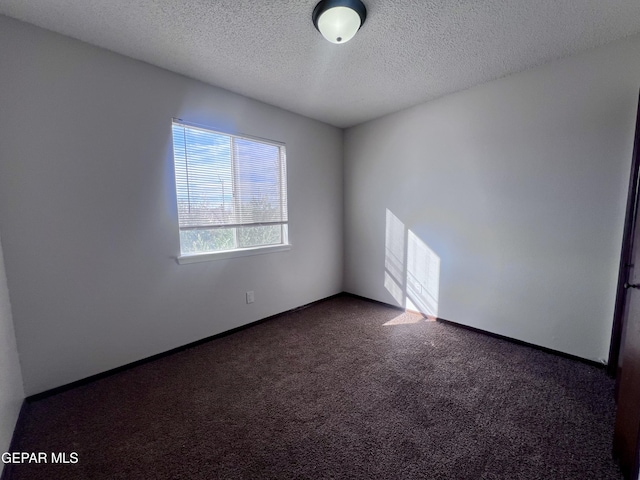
332,392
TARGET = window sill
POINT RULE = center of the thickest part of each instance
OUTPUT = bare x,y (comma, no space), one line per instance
243,252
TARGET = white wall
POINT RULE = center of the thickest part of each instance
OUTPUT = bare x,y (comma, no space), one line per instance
518,185
88,216
11,391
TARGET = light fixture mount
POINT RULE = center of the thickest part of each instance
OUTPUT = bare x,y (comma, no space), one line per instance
339,20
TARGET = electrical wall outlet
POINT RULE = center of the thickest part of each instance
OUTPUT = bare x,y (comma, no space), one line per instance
250,297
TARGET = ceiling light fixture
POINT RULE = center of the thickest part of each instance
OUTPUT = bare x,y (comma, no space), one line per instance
339,20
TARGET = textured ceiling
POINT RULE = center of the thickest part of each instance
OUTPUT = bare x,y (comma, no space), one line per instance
407,52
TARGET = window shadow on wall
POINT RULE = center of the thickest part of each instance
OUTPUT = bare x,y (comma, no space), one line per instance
412,269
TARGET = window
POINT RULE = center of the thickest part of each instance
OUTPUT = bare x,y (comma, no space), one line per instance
231,191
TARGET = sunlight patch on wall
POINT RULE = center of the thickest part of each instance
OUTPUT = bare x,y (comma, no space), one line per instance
394,247
393,288
394,257
412,269
423,276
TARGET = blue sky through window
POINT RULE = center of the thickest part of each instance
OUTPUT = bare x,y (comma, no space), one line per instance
203,166
222,179
231,191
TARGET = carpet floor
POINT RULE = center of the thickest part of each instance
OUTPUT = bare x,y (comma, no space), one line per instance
342,389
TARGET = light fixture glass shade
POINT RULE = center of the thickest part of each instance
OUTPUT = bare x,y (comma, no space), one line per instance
339,20
339,24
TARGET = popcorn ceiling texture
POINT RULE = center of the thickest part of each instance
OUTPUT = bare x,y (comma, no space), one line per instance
408,51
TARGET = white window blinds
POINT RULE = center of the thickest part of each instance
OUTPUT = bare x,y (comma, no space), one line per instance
233,183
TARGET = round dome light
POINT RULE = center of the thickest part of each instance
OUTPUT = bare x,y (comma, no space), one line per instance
339,20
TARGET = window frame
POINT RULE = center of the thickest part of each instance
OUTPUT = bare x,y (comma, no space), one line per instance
205,256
